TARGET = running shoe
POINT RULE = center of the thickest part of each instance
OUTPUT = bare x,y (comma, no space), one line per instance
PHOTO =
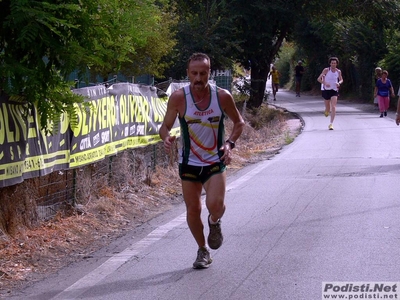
203,259
381,116
326,113
330,127
385,113
215,237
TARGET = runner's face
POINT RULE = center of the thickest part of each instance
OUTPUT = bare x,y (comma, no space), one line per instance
333,64
198,73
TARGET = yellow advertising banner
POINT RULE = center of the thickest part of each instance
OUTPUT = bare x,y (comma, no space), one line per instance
122,116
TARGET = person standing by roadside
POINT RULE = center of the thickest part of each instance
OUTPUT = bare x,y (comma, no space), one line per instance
330,79
398,109
299,71
201,109
275,80
378,74
383,90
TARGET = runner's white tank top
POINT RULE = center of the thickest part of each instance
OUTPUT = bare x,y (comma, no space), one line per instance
202,130
332,78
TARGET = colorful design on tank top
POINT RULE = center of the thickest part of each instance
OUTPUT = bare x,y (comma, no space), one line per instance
202,130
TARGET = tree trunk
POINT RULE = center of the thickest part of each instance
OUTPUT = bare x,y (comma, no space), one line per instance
258,83
366,81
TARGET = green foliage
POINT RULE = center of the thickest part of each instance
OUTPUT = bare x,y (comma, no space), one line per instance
358,32
288,138
309,36
259,31
392,59
42,42
203,27
136,35
252,33
150,57
38,49
283,64
362,45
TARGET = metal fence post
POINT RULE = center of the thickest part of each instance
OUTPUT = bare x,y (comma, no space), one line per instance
154,160
110,169
73,187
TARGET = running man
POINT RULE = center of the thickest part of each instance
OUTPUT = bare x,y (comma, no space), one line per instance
330,79
205,153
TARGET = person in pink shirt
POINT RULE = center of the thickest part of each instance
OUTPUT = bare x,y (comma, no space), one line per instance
383,90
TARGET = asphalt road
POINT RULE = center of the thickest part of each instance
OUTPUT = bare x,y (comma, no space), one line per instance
324,209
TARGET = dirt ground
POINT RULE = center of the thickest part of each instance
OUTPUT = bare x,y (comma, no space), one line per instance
40,252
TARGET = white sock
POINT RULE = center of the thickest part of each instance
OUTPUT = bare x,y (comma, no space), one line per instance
211,221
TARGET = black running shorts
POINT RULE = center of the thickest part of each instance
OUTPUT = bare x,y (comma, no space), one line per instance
328,94
202,174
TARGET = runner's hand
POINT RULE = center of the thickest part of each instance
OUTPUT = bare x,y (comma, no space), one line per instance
168,141
226,158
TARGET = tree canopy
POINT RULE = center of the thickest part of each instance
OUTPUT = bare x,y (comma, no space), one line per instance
359,32
203,27
41,43
252,33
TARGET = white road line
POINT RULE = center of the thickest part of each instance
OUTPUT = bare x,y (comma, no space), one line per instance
114,262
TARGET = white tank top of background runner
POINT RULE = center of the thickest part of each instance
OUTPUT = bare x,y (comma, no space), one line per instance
202,131
332,79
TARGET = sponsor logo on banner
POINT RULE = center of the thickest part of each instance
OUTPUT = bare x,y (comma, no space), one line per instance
123,116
